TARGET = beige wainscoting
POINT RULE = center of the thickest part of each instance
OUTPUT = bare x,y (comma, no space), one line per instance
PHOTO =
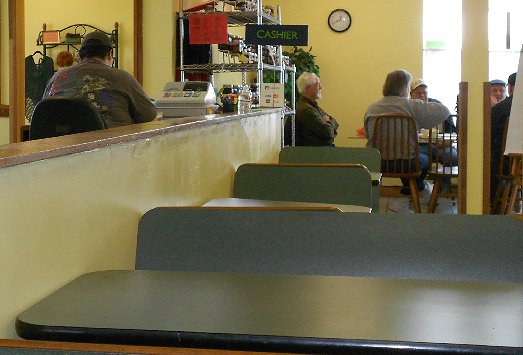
71,205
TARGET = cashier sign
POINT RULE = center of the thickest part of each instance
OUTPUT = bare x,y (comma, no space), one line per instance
285,35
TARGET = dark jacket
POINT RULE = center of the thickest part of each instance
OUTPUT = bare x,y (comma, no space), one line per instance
310,127
499,118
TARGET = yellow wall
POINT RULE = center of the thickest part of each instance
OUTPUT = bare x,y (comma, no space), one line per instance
60,220
158,39
385,35
58,14
474,64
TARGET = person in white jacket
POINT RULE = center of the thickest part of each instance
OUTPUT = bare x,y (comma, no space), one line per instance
396,92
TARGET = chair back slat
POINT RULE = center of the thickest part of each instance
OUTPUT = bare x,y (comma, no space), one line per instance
395,137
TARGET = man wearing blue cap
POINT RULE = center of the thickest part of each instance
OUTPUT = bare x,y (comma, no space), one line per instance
498,91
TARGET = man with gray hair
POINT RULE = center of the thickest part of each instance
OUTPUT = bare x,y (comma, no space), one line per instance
396,99
314,127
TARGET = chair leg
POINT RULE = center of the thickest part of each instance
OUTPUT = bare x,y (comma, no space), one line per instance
496,204
505,194
511,201
414,193
434,195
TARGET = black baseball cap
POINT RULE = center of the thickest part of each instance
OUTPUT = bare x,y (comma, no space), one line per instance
96,39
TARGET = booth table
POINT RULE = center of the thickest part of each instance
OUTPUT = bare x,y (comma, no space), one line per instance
281,313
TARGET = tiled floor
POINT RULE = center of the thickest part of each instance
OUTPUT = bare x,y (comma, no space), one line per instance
391,201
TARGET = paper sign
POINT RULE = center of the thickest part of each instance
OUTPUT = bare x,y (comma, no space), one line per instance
50,37
208,29
272,95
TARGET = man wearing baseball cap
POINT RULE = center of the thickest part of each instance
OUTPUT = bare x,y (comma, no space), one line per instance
418,90
498,91
116,94
499,118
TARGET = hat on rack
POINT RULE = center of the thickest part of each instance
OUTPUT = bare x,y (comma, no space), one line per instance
498,82
96,39
417,82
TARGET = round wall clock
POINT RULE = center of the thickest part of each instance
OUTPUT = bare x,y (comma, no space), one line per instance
339,20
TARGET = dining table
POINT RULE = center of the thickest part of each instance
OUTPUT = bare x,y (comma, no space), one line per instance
281,313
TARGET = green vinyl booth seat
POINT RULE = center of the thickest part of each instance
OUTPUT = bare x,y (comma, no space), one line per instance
370,157
344,184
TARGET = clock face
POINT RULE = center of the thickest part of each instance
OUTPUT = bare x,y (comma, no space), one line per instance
340,20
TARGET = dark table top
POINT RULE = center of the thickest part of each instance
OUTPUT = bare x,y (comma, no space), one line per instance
297,313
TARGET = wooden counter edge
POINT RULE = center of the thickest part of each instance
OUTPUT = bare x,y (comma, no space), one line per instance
30,151
115,348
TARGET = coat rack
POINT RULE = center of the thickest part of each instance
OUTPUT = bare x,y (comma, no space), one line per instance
71,36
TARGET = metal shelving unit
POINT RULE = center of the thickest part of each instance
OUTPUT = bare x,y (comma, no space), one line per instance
242,18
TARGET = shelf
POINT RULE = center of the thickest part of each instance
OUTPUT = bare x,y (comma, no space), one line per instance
239,18
232,67
245,17
236,19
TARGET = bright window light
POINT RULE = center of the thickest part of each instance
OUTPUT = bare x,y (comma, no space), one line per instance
505,37
442,49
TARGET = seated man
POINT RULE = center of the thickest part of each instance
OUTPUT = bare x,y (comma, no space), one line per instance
313,127
396,100
498,91
499,117
116,94
419,90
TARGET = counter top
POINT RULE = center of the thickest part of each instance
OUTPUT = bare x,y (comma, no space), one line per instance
26,152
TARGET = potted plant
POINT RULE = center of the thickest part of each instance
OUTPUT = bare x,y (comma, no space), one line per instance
304,62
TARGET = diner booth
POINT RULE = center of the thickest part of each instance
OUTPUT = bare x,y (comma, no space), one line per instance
72,205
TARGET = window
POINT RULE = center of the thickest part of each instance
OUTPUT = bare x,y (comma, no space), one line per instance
505,37
442,49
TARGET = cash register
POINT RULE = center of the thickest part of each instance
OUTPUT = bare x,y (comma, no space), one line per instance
183,99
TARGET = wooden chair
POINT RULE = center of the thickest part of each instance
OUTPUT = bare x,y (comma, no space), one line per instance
441,164
370,157
343,184
497,184
510,185
396,138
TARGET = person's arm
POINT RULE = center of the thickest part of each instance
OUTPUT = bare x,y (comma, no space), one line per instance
330,120
47,91
313,123
429,114
140,106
